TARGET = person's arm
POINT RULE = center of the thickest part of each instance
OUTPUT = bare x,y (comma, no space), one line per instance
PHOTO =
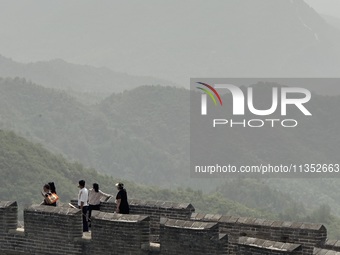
43,202
118,204
81,200
104,194
118,201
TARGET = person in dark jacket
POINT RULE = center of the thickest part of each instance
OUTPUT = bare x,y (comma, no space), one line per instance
121,199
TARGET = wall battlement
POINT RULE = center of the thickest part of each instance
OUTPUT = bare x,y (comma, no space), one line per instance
155,227
307,235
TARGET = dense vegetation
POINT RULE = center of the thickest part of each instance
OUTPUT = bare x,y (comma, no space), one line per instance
25,167
87,83
123,135
143,136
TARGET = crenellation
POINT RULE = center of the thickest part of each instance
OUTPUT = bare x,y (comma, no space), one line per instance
187,237
155,228
117,232
332,245
308,234
8,216
319,251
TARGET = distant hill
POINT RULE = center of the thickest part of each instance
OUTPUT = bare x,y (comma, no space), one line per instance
154,122
333,21
76,79
143,135
175,40
25,167
110,137
46,115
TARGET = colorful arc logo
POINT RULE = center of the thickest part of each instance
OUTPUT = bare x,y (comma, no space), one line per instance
211,95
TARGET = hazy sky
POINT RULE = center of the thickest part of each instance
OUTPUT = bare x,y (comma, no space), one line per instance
39,25
329,7
150,37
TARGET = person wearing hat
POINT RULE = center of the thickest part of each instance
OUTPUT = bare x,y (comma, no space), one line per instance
83,198
121,199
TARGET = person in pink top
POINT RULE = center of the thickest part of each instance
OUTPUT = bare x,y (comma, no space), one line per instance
95,195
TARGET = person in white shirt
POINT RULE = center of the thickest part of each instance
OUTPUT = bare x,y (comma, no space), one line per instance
83,198
95,194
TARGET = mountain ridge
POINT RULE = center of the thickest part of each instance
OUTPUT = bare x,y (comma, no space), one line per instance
26,166
75,78
235,38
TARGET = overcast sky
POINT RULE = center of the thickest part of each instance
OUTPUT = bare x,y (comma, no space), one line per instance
169,39
329,7
49,23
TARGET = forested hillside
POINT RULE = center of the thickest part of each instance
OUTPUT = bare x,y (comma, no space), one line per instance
125,133
81,81
142,136
101,92
25,167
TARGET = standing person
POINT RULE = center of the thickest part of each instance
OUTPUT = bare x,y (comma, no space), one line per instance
83,198
121,200
95,194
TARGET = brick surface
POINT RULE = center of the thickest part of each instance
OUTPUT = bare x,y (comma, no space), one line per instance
155,227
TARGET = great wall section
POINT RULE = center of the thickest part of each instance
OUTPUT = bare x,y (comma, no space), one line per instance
155,227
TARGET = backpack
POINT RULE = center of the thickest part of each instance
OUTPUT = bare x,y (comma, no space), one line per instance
52,198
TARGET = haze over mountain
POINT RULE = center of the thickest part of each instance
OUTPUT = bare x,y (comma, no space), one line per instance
143,135
115,137
26,167
175,40
326,7
333,21
75,79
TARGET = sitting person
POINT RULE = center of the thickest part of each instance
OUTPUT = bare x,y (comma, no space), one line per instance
52,188
49,198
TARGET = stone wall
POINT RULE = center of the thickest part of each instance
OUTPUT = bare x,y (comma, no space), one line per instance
307,234
154,209
48,230
8,216
11,240
58,230
54,230
256,246
119,234
188,237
